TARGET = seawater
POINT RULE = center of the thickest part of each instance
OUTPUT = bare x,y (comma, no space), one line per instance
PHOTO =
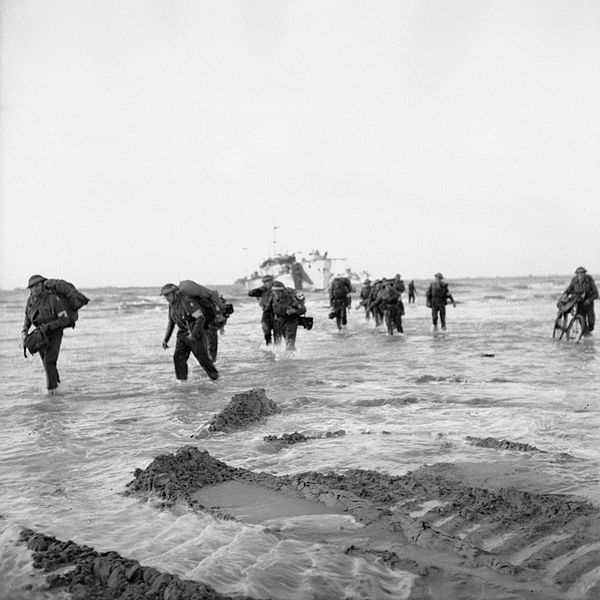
403,401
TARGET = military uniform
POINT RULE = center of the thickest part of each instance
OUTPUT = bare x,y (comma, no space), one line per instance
388,301
365,294
264,295
340,300
399,284
412,290
588,292
437,297
376,309
191,336
286,306
48,313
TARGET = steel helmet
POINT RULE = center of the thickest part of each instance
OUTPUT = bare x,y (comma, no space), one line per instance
168,288
580,270
35,279
439,275
277,285
268,278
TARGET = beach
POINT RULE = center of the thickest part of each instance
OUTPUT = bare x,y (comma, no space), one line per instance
459,464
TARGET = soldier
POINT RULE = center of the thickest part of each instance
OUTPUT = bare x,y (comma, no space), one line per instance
437,297
287,306
389,303
192,323
376,309
583,286
340,300
412,292
365,293
45,310
399,283
264,294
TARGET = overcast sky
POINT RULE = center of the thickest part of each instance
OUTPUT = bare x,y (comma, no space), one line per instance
147,141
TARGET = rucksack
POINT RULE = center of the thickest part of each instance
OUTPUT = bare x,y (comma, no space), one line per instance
70,296
213,305
340,287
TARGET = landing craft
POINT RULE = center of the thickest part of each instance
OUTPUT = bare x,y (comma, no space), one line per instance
310,272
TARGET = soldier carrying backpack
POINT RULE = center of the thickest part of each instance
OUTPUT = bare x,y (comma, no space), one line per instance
52,305
340,300
288,309
194,309
212,303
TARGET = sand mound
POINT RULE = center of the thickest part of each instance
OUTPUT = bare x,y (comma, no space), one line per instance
243,409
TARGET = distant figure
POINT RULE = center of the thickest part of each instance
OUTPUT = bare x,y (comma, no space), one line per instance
264,294
192,324
45,310
399,284
389,303
583,286
412,292
437,297
365,293
287,306
340,300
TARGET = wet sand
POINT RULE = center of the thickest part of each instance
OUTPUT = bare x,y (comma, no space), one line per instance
459,527
465,531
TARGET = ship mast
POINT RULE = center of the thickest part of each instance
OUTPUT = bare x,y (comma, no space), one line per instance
275,241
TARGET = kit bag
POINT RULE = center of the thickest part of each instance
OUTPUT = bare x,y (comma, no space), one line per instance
212,303
70,296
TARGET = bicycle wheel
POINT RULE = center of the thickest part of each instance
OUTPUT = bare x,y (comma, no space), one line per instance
575,329
559,328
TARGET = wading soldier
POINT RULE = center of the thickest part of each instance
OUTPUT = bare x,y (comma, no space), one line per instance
191,322
47,313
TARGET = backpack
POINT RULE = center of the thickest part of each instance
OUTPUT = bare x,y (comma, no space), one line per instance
340,287
213,305
69,295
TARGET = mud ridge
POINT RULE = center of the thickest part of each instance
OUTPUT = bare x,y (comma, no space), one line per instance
289,439
491,442
88,574
542,542
243,409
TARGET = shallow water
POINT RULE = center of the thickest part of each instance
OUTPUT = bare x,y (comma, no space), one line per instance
403,401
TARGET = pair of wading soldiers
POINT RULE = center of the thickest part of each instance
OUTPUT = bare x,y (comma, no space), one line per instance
198,325
198,328
282,309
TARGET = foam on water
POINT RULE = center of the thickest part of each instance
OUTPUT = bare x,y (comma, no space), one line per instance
402,401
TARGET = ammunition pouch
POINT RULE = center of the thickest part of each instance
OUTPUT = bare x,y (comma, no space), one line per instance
35,341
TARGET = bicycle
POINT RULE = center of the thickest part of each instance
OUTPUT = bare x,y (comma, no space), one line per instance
570,320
